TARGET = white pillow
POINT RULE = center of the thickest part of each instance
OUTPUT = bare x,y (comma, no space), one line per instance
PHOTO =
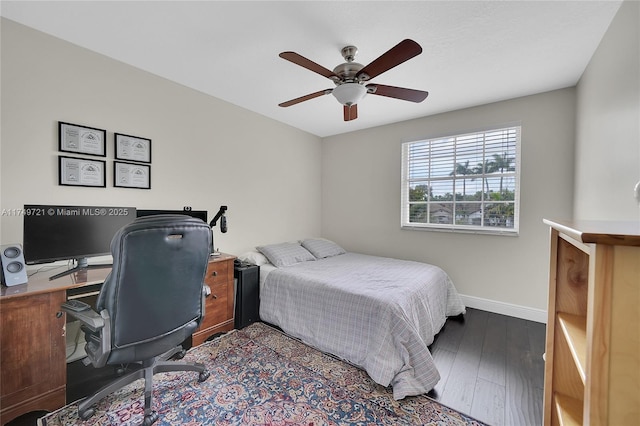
254,257
285,254
321,248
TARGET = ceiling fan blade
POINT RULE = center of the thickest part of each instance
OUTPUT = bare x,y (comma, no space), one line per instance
397,92
398,54
307,63
305,98
350,112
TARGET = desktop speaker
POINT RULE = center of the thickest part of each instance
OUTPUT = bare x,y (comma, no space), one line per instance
13,270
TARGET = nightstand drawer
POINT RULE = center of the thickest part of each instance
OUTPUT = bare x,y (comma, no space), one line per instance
216,310
217,272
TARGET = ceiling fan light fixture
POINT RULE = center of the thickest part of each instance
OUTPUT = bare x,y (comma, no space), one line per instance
349,93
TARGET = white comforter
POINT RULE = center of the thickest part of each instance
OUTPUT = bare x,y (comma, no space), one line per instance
377,313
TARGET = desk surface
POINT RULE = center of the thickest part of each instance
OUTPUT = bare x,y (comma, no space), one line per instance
39,281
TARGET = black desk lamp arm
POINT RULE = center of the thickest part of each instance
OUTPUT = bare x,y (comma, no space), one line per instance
217,216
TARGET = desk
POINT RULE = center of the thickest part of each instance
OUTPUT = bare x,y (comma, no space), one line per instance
33,371
33,375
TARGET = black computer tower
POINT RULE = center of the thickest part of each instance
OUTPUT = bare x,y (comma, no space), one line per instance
247,282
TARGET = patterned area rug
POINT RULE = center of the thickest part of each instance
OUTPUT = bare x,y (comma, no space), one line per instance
260,376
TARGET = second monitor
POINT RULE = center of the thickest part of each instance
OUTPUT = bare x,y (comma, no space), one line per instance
200,214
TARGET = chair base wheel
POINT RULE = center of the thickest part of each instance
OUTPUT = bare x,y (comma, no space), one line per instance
150,419
203,376
86,414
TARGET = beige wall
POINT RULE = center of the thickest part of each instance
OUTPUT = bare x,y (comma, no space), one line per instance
206,152
361,199
580,159
608,125
282,184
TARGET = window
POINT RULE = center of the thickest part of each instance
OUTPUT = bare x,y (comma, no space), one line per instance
467,183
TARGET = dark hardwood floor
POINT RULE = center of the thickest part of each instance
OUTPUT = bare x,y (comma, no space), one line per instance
491,368
490,365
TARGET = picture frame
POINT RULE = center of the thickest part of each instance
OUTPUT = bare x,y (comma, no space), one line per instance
80,139
74,171
132,148
131,175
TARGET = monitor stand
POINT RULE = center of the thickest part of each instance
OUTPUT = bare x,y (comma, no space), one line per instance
83,264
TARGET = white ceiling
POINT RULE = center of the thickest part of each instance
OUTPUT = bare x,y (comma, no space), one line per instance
474,52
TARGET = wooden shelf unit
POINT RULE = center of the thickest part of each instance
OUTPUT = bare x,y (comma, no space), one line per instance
592,368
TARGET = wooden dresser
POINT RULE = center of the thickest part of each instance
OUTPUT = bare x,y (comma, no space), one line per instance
592,369
219,307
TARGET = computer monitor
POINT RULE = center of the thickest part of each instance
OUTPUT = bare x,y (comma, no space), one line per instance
200,214
55,232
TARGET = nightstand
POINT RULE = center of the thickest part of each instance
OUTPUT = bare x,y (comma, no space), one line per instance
218,314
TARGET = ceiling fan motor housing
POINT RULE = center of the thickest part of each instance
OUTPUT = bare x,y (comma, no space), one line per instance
347,71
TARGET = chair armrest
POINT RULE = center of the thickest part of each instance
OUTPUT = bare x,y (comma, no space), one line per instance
97,351
87,317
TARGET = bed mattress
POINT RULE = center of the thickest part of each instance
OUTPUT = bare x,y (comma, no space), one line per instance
375,312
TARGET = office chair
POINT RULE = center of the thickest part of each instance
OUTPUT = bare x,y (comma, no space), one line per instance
152,301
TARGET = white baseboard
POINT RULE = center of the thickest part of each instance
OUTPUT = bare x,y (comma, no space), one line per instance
524,312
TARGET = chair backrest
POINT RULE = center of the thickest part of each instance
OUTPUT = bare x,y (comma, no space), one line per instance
155,286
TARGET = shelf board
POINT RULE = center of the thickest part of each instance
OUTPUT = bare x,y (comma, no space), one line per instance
574,328
621,233
569,410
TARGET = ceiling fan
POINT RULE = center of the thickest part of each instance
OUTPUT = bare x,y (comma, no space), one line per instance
350,77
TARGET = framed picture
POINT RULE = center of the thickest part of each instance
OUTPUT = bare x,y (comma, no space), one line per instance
81,139
132,148
129,175
81,172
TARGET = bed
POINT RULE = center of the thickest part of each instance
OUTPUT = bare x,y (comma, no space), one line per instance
377,313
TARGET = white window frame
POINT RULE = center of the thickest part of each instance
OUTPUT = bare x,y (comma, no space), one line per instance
430,177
